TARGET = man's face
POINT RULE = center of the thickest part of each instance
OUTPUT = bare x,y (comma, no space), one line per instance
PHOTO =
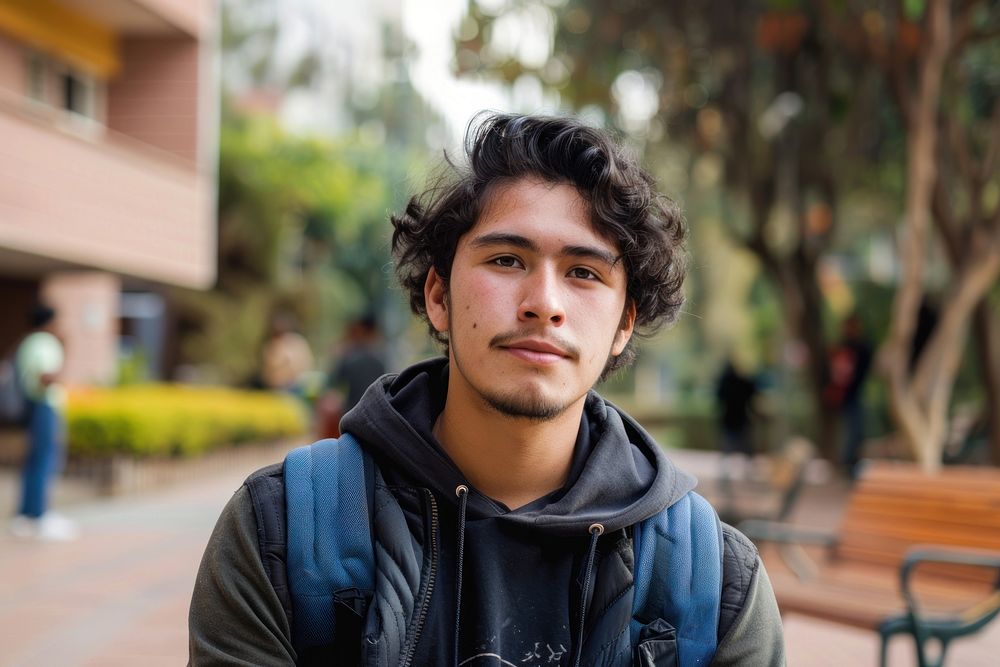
535,304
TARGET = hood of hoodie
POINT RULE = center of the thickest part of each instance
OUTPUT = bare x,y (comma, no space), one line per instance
625,478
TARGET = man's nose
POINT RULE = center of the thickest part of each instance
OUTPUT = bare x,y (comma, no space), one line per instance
542,299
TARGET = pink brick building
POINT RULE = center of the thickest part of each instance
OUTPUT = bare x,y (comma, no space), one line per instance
108,123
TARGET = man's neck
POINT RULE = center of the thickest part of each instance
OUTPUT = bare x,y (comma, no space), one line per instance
513,460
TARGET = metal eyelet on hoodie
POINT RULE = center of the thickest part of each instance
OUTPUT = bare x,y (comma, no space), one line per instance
595,530
462,491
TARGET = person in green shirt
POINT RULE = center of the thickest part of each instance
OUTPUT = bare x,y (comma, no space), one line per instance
39,361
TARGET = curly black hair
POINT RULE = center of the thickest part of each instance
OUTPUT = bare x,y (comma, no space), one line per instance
646,227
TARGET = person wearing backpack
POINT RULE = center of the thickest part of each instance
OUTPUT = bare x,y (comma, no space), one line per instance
38,362
490,508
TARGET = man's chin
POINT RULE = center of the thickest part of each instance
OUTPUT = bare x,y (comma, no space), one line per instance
525,405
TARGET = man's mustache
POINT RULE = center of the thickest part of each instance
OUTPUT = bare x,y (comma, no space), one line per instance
505,339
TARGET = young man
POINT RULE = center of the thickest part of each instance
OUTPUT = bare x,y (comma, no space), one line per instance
507,496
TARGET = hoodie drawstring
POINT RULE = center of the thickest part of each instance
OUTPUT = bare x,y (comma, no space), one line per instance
595,530
462,491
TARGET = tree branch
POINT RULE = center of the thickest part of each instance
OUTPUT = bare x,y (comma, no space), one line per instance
944,215
976,37
938,364
993,147
958,140
920,179
962,26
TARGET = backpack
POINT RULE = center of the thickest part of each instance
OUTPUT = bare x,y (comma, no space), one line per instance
675,548
13,402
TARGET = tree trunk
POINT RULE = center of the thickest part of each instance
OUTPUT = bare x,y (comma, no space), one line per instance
934,378
921,428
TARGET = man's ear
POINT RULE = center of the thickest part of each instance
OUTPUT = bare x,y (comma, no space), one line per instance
436,300
625,329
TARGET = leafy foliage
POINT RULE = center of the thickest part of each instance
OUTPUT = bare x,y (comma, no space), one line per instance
173,420
296,214
303,219
795,115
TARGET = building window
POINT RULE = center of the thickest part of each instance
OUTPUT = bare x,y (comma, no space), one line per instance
60,87
78,93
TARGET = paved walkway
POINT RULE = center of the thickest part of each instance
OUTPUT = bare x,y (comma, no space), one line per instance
119,594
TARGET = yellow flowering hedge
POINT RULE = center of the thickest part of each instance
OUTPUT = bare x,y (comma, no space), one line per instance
176,420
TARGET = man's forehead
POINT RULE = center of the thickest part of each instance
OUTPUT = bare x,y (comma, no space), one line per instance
519,201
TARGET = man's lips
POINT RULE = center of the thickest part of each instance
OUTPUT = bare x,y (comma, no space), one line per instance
536,351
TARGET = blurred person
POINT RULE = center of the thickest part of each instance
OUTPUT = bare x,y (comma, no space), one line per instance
286,357
850,361
509,503
735,392
38,362
361,362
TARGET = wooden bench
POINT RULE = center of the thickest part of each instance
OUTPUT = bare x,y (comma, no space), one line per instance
913,554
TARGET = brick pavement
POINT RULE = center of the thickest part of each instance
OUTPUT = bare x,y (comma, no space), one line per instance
119,595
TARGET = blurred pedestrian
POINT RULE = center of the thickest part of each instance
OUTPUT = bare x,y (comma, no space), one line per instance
39,361
286,357
361,362
850,360
735,392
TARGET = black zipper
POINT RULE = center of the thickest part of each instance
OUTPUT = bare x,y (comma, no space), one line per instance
425,597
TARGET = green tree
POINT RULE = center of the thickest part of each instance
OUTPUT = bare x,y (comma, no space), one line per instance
937,58
756,88
302,228
804,103
303,219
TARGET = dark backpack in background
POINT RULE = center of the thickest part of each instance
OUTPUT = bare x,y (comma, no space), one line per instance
13,402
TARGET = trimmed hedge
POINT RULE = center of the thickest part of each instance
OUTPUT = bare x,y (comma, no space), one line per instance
176,420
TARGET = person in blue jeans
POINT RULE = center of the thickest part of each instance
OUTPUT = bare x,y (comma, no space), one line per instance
39,361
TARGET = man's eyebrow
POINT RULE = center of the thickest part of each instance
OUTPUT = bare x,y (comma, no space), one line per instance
518,241
591,252
501,238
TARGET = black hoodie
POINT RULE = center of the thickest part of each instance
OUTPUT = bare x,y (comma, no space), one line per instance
619,474
523,570
525,588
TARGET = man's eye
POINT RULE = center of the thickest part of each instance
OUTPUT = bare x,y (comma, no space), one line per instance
506,261
582,273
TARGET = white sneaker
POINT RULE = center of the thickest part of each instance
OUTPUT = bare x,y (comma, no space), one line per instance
54,527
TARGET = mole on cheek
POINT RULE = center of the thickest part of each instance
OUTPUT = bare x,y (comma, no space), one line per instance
474,325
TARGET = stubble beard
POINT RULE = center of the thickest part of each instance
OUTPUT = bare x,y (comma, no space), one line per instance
515,404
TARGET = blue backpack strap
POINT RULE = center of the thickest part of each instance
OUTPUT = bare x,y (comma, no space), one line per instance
678,576
327,492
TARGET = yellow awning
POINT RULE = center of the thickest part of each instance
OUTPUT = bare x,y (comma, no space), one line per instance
64,32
